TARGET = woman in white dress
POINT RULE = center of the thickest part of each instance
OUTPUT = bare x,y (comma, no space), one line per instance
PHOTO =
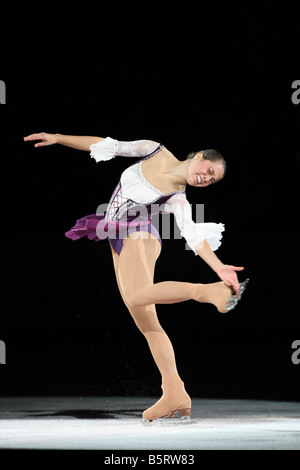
157,178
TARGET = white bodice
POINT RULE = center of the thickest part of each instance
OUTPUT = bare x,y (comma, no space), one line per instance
136,187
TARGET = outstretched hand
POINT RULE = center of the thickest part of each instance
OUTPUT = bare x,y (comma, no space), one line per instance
46,139
227,273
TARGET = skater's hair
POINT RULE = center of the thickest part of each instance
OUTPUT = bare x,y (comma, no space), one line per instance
210,154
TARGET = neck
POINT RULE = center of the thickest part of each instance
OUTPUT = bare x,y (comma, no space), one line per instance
178,171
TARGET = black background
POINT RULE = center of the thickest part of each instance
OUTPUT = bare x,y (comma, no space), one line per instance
190,79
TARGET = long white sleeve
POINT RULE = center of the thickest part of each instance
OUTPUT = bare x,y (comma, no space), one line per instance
194,233
109,148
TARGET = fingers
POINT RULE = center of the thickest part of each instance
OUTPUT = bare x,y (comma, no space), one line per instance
232,279
34,136
236,287
40,136
229,276
41,144
233,282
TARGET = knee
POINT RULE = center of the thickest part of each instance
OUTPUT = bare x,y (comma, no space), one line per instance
145,318
132,299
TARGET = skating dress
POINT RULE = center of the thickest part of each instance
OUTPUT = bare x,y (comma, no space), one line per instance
134,202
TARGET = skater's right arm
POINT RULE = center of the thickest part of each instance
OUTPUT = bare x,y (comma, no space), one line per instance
77,142
101,149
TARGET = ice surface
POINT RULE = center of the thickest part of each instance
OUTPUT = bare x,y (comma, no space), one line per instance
116,423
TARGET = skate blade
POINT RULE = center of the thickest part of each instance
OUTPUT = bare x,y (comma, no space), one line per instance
169,421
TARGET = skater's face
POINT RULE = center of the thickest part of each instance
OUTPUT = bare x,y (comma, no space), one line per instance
202,173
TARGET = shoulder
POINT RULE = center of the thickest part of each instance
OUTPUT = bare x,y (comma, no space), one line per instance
167,157
166,153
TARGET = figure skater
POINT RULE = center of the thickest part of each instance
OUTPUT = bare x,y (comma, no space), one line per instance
158,177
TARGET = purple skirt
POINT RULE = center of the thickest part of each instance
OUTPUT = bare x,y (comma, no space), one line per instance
96,228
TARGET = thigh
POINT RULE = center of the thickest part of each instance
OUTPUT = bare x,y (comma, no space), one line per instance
116,257
135,265
145,317
137,261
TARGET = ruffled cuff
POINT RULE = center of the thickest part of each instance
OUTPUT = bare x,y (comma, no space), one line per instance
195,234
104,150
